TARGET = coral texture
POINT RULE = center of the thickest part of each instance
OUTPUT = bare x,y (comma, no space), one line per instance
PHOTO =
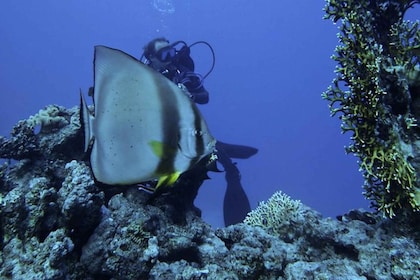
289,214
56,222
376,95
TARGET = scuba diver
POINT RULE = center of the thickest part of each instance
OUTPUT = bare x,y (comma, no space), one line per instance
174,62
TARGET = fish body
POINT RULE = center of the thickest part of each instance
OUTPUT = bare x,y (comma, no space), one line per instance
143,126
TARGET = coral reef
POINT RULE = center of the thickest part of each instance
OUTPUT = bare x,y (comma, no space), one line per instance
56,222
376,95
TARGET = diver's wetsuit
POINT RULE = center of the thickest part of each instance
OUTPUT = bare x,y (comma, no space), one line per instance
181,71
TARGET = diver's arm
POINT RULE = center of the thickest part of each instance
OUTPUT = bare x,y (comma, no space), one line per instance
200,97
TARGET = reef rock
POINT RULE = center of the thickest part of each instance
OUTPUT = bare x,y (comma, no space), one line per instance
56,222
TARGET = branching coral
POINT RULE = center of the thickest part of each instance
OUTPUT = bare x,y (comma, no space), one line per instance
278,215
48,118
374,94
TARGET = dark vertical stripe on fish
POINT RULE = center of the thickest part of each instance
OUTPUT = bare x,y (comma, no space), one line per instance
170,126
199,140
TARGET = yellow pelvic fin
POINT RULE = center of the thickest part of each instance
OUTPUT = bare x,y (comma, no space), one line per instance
168,180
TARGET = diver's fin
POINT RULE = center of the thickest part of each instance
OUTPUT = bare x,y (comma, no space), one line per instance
236,203
237,151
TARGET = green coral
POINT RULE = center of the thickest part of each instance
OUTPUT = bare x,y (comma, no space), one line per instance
137,234
374,94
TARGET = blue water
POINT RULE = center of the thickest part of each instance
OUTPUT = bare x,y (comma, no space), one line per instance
272,64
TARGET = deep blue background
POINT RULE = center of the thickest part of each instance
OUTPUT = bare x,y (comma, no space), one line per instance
273,63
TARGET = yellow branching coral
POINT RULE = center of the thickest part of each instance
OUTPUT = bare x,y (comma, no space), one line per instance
376,94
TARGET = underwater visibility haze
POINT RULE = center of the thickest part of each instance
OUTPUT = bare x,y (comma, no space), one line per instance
83,121
272,64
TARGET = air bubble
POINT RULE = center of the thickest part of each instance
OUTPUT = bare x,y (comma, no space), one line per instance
164,6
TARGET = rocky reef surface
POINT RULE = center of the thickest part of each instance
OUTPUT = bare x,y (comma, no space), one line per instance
56,222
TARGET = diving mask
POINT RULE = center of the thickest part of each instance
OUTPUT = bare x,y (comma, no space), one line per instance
168,53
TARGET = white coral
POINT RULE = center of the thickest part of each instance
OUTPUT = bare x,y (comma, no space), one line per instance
48,117
277,214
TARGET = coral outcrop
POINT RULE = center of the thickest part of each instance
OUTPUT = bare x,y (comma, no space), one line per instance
376,95
56,222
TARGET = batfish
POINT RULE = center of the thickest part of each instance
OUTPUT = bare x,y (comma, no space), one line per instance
143,126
